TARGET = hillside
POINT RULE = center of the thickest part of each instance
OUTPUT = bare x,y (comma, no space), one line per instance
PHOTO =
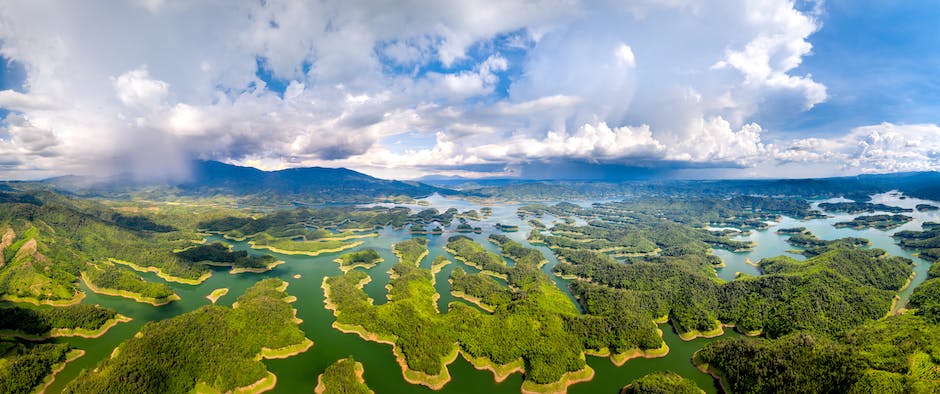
310,185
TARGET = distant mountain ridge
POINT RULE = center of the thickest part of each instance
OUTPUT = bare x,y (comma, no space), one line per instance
308,184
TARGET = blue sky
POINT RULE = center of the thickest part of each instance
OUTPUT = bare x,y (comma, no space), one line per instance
879,60
720,88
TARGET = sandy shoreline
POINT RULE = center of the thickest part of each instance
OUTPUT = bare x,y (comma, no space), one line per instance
347,268
266,268
72,355
129,294
79,296
163,275
86,333
416,262
306,253
216,294
475,265
360,370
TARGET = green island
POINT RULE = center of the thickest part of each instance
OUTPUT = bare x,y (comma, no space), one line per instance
108,279
309,248
662,382
475,255
39,323
926,242
926,207
551,355
366,258
813,246
211,348
861,207
343,377
411,251
219,254
881,222
216,294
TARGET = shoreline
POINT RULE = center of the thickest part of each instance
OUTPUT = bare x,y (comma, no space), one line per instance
348,237
500,371
417,262
266,383
163,275
360,371
306,253
286,351
568,379
471,299
475,265
216,294
434,382
436,269
72,355
619,359
129,294
713,372
347,268
693,334
266,268
75,300
87,333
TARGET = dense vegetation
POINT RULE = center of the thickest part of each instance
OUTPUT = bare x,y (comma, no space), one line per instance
219,254
213,345
343,377
425,336
861,207
517,252
665,382
472,253
881,222
896,355
50,238
827,293
108,276
41,320
813,246
926,297
24,366
926,242
365,258
411,251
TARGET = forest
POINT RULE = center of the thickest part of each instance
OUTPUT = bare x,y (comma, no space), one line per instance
881,222
342,377
662,382
218,253
896,355
109,277
216,347
24,366
40,321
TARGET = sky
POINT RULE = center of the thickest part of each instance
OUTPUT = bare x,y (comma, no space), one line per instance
534,89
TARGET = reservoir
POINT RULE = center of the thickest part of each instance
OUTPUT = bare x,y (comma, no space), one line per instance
298,374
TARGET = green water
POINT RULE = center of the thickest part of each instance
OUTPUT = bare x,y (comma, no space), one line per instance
382,373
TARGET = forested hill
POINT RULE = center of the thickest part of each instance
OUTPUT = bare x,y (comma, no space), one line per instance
212,178
330,184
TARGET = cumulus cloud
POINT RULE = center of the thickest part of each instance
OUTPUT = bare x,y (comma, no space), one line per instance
878,148
483,83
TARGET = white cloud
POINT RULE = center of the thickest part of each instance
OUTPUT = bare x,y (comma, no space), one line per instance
136,89
675,81
878,148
